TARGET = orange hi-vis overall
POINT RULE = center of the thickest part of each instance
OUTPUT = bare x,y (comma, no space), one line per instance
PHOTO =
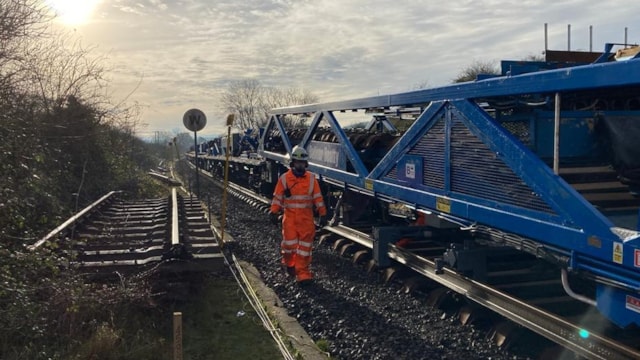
298,229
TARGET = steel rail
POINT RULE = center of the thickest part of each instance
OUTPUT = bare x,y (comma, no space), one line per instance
235,187
544,323
116,263
167,180
175,227
72,220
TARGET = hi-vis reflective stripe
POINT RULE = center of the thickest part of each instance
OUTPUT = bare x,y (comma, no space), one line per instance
290,242
299,201
299,197
304,253
288,251
306,244
276,202
298,206
312,177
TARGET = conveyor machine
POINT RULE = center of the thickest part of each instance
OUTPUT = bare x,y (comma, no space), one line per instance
545,154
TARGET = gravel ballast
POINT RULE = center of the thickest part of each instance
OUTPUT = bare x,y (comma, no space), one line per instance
353,311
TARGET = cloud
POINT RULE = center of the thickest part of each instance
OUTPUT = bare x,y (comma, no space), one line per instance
187,51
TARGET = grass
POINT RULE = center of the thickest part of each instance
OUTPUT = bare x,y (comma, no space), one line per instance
213,330
323,345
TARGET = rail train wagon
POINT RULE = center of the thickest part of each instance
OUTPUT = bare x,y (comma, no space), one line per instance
542,158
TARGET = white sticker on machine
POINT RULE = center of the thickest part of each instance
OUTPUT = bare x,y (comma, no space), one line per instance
410,171
632,304
617,252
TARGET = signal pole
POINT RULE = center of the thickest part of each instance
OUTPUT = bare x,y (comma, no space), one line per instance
195,120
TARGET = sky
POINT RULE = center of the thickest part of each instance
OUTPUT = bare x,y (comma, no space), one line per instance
174,55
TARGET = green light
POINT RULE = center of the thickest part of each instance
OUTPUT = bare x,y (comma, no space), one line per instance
583,333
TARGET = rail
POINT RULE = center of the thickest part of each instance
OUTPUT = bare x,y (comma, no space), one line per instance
175,227
545,323
73,220
165,179
537,320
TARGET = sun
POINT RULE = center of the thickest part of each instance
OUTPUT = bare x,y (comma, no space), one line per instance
73,12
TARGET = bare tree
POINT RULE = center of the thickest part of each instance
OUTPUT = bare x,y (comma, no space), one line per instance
20,20
424,84
62,68
477,67
243,98
276,97
251,102
534,57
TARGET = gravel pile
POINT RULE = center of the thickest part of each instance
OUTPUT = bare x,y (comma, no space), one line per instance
358,315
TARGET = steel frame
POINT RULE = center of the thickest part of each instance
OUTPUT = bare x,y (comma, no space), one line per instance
575,229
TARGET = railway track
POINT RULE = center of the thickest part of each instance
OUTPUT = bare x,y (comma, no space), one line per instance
524,292
529,292
114,236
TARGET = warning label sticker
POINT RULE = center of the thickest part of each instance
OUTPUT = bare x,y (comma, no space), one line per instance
636,258
617,252
443,205
633,304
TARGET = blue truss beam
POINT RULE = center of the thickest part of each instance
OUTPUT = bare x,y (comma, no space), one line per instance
568,79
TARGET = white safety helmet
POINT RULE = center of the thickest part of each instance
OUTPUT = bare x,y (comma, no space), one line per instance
299,153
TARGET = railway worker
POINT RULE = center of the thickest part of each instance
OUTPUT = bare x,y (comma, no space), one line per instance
297,192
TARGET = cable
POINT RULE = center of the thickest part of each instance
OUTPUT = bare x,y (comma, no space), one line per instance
255,303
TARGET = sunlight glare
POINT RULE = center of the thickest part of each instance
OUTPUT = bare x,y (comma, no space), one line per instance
73,12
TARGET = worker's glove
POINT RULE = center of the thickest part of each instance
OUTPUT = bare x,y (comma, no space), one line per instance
274,218
322,221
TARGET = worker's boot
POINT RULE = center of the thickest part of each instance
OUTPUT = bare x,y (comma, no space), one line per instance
289,270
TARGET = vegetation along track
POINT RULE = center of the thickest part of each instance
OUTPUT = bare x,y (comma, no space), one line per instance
530,315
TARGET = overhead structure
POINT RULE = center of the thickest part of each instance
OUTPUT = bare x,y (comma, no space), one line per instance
541,158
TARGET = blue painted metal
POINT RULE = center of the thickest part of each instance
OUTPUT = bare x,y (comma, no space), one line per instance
574,78
576,135
346,144
513,68
408,140
459,161
605,55
317,117
625,305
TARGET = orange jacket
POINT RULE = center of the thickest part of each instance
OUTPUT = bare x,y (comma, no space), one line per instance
305,193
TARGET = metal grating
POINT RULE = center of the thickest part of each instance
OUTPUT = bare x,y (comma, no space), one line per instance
431,148
393,174
519,129
478,171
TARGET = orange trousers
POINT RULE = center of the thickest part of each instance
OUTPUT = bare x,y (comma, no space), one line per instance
296,247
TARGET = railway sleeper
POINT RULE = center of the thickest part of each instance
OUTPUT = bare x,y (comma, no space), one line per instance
505,333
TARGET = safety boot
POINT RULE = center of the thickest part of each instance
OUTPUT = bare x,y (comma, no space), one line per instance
305,283
289,270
